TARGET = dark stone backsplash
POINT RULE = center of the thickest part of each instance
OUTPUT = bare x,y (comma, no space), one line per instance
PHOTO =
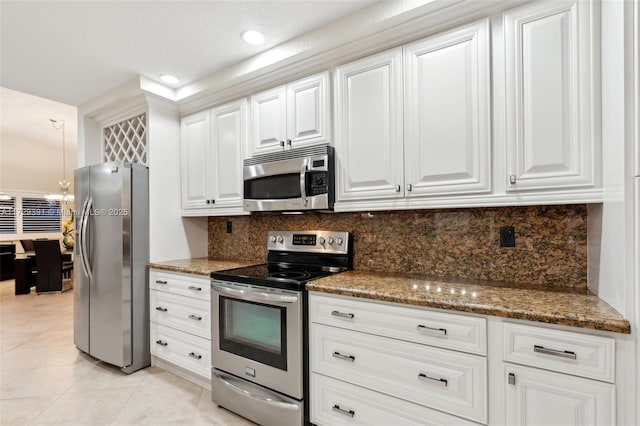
550,251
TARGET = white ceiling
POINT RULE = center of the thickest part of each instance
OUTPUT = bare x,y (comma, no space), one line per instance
73,51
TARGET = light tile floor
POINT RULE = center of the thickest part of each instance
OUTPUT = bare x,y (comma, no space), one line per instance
44,379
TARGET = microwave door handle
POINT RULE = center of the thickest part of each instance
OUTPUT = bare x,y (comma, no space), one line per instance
303,182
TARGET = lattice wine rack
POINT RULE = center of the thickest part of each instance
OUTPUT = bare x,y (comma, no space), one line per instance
127,141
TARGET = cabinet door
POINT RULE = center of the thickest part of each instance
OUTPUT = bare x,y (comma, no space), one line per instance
548,96
369,128
228,130
308,115
539,397
268,121
194,145
447,133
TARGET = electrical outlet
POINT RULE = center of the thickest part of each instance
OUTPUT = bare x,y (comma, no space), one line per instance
507,236
229,227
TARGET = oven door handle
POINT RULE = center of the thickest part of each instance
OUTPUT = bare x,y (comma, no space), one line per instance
271,401
252,295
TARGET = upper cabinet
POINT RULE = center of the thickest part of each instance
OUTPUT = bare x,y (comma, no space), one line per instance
429,137
369,128
211,165
447,113
549,96
291,116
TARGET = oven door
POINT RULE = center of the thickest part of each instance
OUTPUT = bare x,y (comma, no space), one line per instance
292,184
257,335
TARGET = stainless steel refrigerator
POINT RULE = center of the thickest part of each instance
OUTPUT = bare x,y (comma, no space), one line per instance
111,309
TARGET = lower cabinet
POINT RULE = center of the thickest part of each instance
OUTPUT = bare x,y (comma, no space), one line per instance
368,378
377,363
180,315
539,397
550,376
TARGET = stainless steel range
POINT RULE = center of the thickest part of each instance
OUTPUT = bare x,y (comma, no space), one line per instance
259,326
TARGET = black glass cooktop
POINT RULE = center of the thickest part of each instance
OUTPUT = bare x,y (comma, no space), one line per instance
292,277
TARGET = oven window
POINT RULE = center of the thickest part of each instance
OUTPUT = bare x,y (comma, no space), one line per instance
278,187
254,330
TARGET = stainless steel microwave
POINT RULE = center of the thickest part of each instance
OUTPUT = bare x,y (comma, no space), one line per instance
294,180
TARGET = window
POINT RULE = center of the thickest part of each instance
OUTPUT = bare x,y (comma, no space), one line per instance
40,215
8,216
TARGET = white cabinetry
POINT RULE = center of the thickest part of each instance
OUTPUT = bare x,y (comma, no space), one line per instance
180,315
369,128
447,113
444,108
291,116
547,376
351,350
211,165
550,96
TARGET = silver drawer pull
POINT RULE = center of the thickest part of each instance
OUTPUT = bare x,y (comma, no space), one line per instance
195,317
161,343
438,331
342,314
337,408
194,355
554,352
435,380
346,357
160,282
193,287
161,309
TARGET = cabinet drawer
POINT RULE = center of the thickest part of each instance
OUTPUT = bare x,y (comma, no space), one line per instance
183,349
445,380
334,402
184,313
182,284
450,331
558,350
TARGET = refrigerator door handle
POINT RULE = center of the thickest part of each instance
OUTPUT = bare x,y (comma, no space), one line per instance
83,247
80,234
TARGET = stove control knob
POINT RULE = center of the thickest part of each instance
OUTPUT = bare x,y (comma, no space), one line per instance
280,239
273,238
339,241
330,240
321,240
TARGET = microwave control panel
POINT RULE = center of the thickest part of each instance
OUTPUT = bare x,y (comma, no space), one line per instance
317,183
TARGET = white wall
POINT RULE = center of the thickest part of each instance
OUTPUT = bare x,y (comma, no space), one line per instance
171,236
30,147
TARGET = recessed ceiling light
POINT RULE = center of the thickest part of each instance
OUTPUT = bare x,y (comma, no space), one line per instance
252,37
169,79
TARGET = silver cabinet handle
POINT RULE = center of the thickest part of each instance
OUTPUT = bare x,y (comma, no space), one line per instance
512,179
194,355
193,287
337,409
161,309
289,142
282,144
512,379
409,187
195,317
160,282
435,380
342,314
161,343
398,188
345,357
554,352
433,330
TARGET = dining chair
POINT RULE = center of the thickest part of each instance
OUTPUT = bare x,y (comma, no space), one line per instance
51,270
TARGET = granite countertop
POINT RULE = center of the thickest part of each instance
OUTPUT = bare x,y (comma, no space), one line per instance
576,309
200,265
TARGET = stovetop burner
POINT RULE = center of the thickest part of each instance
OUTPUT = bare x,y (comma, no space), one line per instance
294,258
